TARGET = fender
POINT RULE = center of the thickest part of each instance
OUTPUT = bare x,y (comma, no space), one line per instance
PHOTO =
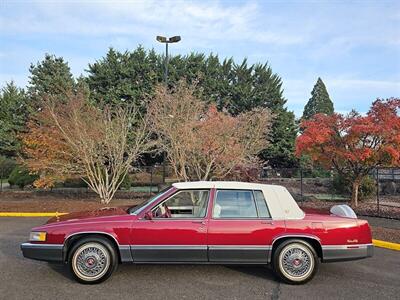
124,250
292,235
90,232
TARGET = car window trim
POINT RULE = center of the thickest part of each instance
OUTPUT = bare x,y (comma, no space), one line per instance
183,219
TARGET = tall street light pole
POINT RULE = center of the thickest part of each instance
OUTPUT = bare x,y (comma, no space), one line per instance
166,41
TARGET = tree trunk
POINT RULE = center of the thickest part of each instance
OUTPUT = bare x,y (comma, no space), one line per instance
354,193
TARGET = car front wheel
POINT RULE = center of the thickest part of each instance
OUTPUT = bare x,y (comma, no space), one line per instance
92,260
295,261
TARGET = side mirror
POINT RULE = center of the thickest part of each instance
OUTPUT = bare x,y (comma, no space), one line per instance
148,215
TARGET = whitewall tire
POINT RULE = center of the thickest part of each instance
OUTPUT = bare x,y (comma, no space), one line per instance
295,261
92,260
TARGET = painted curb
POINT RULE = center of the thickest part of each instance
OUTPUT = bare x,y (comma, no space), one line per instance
387,245
30,214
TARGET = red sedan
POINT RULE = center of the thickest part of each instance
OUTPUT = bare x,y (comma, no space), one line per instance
203,223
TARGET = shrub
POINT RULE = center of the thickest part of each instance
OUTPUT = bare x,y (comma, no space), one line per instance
368,187
21,177
343,186
145,178
74,183
6,166
246,173
126,183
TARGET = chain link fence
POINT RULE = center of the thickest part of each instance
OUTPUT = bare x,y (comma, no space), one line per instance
304,184
387,187
381,188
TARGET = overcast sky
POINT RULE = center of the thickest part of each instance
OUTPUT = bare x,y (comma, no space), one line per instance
353,46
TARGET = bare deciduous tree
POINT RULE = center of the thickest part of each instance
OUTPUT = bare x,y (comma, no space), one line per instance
76,138
203,143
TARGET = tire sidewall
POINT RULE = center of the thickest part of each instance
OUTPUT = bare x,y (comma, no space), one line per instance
277,266
111,252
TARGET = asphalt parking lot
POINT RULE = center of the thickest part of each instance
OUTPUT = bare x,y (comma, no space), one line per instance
20,278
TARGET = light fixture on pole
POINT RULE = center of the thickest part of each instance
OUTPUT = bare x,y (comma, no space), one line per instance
166,41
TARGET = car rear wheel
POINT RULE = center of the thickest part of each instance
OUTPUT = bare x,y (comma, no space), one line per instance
92,260
295,261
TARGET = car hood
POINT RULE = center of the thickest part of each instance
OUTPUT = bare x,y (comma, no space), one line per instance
81,215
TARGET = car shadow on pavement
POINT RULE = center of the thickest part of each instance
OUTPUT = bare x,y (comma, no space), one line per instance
263,272
62,270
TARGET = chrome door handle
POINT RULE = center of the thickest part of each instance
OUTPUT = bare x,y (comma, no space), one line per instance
267,222
199,222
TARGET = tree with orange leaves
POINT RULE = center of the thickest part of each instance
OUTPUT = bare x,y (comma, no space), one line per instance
71,137
203,143
354,144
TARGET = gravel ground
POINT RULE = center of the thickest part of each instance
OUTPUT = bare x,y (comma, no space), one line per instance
364,208
382,228
28,201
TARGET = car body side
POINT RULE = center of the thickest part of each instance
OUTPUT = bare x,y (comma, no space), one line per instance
206,240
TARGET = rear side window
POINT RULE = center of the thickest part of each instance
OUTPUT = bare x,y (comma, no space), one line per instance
234,204
263,211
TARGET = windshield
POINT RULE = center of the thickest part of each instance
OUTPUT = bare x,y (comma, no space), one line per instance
137,209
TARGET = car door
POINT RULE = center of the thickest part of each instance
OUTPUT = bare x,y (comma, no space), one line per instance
240,228
176,232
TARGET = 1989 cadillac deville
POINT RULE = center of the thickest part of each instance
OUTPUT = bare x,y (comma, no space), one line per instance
204,223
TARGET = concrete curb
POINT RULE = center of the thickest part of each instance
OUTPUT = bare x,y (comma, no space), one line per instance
31,214
387,245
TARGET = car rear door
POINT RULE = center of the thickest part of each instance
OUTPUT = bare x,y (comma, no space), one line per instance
180,236
240,228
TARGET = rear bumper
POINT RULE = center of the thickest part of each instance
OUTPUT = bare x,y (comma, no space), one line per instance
346,252
45,252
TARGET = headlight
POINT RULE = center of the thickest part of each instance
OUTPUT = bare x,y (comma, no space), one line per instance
36,236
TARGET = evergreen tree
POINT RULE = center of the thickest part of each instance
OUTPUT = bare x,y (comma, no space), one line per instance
257,86
319,101
127,77
50,77
280,153
13,114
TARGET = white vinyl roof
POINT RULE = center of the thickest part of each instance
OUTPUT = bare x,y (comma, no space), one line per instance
234,185
280,202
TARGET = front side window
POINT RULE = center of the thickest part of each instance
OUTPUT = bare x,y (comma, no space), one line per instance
234,204
183,204
138,208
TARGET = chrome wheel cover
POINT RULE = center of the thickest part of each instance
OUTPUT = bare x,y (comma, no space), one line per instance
91,261
296,262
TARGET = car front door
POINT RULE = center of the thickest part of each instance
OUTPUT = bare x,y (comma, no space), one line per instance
175,230
240,228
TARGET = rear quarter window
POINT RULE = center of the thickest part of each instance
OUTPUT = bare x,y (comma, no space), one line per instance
262,207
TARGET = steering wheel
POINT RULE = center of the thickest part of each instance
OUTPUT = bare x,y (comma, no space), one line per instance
163,212
167,213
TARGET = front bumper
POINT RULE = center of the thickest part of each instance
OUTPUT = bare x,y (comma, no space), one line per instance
346,252
45,252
